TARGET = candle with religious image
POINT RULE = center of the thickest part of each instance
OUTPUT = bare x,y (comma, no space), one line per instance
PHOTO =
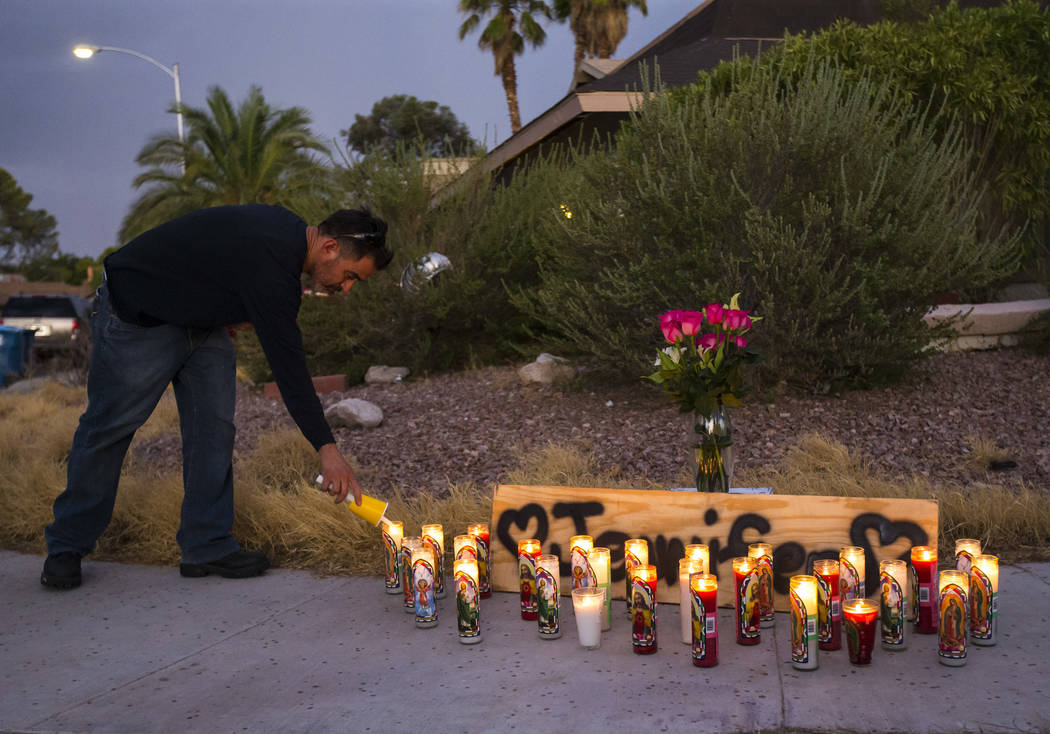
635,553
464,547
547,606
424,577
924,564
851,573
468,609
745,600
859,620
952,590
829,609
686,568
643,609
579,547
599,561
528,554
392,535
763,555
984,600
965,550
408,546
434,538
699,552
703,589
480,531
893,604
804,642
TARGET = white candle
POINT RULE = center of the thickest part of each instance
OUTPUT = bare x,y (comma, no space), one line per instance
893,613
579,547
965,550
635,553
699,552
686,568
804,638
851,573
952,590
587,605
423,579
763,555
434,537
547,578
984,600
464,546
468,613
393,532
599,560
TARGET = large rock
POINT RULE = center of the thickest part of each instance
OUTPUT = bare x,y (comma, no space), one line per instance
547,369
352,413
381,373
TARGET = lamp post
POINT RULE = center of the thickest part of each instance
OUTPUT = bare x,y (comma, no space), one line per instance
86,52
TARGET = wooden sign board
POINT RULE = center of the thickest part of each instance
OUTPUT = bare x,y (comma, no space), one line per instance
801,529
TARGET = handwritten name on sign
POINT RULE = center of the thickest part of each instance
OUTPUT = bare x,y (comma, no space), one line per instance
800,528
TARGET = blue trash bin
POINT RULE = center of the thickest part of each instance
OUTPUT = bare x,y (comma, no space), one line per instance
16,351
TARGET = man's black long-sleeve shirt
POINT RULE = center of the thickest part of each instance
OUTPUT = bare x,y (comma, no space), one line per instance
222,266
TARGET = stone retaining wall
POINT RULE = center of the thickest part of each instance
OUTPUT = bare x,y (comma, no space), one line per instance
987,325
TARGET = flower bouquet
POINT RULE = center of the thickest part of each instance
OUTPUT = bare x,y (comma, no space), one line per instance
700,371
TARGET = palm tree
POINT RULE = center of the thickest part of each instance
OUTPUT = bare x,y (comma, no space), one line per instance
597,25
503,38
252,154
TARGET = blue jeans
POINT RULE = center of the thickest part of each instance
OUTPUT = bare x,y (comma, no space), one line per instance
131,366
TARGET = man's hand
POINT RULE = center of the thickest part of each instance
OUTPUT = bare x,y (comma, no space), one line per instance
337,478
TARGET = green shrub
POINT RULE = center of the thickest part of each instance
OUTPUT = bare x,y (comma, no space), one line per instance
828,203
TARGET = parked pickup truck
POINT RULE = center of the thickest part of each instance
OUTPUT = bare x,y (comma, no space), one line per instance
59,320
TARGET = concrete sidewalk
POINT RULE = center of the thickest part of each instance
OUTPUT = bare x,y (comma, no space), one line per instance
140,649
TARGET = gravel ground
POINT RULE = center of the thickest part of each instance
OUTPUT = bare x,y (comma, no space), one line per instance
471,425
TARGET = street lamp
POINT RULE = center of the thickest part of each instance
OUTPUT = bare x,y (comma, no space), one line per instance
86,52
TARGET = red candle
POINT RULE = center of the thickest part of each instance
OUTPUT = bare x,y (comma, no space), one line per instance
480,532
745,587
528,554
703,592
829,611
859,619
643,609
924,564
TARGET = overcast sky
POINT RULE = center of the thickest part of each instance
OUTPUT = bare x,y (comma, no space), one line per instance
70,129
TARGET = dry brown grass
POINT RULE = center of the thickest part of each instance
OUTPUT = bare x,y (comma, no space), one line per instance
279,510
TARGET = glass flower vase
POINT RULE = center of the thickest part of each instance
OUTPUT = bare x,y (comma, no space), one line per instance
711,455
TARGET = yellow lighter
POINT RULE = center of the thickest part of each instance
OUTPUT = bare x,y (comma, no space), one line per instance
371,509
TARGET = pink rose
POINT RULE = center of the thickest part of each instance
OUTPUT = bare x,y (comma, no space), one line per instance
737,320
691,321
671,325
739,341
714,312
709,341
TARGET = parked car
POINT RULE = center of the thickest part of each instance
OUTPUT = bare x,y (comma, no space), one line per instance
58,320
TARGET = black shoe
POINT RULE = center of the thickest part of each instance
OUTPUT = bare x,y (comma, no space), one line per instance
238,565
61,571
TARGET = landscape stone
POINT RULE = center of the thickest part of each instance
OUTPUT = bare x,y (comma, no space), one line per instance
354,413
380,373
546,373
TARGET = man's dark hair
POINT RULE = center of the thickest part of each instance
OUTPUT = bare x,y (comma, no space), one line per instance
359,234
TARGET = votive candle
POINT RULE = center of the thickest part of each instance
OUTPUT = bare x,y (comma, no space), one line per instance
859,617
635,553
408,546
434,537
393,532
804,642
599,561
464,547
924,564
829,609
703,589
851,573
587,607
699,552
893,604
686,568
468,609
480,531
763,555
745,600
984,600
643,607
424,577
547,577
528,554
965,550
952,588
579,547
